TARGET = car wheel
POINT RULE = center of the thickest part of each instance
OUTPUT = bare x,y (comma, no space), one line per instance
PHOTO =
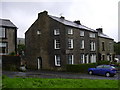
107,74
90,72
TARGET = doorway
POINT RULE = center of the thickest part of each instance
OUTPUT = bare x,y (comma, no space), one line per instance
39,63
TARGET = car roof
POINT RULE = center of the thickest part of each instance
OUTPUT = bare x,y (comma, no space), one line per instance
104,65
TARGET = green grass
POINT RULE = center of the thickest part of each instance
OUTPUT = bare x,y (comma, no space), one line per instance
57,83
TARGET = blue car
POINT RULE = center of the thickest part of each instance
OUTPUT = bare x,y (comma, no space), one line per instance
106,70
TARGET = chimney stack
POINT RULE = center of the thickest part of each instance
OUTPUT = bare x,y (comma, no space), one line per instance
44,13
77,22
100,30
62,17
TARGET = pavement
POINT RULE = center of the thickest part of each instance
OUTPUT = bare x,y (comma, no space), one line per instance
56,74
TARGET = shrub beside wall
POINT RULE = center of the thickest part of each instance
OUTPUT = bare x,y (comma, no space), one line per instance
80,67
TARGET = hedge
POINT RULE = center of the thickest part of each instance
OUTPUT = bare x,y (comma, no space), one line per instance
80,67
84,67
103,62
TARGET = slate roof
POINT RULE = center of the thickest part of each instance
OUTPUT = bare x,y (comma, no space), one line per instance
103,35
73,24
6,23
70,23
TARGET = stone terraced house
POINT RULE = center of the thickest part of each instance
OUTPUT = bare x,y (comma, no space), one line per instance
52,42
8,37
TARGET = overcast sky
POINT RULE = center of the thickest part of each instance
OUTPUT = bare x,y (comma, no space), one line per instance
91,13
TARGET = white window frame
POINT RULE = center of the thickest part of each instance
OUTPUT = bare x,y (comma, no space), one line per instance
82,33
56,32
57,60
70,43
92,35
94,58
2,32
82,58
70,59
38,32
87,58
2,44
70,31
82,44
108,57
91,58
92,46
55,44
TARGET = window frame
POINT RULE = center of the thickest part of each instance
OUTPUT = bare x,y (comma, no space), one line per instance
92,46
57,60
56,44
93,58
3,29
56,31
5,47
82,33
82,44
92,35
70,31
70,43
82,58
70,59
103,46
87,58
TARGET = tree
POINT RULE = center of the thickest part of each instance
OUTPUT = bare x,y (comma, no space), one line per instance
20,49
117,48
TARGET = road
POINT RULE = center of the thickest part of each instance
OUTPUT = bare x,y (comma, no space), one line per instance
55,74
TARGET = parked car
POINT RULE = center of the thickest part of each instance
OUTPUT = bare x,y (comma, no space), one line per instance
117,67
106,70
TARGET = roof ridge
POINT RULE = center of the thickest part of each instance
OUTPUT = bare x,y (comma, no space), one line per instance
7,23
71,23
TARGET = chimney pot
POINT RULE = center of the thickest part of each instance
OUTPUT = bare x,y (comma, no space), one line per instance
100,30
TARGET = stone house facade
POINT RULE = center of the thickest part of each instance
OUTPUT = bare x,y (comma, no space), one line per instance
52,42
8,37
106,46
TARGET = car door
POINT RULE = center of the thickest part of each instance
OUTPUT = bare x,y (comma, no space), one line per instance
105,69
98,69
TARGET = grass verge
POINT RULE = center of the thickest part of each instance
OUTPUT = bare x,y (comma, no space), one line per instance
57,83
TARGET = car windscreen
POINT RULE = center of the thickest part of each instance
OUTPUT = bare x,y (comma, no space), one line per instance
100,66
107,66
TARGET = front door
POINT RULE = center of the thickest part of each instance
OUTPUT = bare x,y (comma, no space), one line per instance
39,63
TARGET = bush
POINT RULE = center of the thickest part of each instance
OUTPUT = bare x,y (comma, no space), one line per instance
80,67
12,54
103,62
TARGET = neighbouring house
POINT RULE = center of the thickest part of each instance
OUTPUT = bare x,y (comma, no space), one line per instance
106,46
8,37
52,42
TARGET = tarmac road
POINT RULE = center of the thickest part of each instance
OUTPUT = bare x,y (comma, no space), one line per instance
55,74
